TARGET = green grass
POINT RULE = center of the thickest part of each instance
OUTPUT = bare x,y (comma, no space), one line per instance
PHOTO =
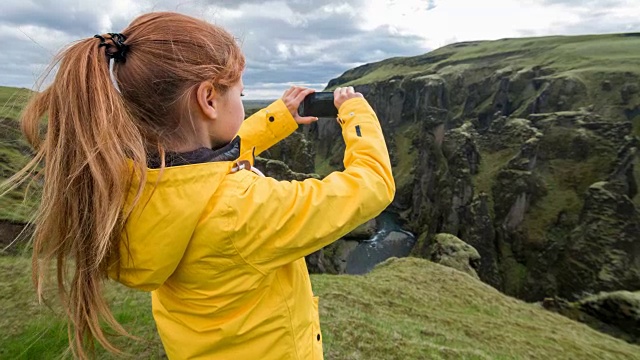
12,101
32,331
405,309
14,152
19,205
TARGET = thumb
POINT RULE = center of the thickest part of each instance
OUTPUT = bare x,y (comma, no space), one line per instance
306,120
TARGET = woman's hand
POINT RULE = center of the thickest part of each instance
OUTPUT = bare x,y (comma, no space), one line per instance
342,94
292,98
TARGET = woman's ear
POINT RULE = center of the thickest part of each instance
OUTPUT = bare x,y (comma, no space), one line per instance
206,97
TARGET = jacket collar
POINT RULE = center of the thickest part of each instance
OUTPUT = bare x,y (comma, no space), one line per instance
229,152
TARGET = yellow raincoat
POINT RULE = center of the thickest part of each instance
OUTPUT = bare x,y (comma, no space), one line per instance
222,251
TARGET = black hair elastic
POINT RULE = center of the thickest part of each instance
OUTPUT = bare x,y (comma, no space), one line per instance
117,41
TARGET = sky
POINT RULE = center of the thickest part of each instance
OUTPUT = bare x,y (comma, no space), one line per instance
304,42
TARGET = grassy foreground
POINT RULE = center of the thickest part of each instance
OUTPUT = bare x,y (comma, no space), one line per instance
405,309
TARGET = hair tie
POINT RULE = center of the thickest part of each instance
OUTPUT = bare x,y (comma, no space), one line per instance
117,41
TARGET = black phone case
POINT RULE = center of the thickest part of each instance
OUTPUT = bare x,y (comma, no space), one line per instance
319,104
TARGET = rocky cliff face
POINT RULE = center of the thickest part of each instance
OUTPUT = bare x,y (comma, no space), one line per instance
529,159
523,192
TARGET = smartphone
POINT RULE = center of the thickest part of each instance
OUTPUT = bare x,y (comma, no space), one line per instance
318,104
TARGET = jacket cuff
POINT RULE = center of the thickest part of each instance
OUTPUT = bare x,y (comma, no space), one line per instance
264,129
353,107
280,122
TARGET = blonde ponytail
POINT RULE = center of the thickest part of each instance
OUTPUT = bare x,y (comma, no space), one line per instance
94,134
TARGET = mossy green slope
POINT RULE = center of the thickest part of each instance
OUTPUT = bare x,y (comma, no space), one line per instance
12,101
14,153
405,309
604,53
590,60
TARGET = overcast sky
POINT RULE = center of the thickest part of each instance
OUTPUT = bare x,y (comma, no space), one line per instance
305,42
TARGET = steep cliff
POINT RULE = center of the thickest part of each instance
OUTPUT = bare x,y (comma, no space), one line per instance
523,148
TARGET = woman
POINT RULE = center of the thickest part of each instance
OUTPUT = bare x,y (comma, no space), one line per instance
150,181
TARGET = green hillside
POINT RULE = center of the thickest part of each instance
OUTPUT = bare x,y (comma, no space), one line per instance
405,309
589,61
12,100
563,53
14,153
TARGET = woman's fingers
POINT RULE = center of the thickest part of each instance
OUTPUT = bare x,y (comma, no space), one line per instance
294,96
302,94
294,91
290,90
340,95
292,99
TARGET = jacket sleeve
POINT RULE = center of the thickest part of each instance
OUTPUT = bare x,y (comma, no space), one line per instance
279,222
264,129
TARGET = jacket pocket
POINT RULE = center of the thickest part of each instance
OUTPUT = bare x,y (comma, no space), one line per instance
316,347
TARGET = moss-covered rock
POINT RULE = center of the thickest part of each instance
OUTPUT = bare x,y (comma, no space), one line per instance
296,151
602,252
616,313
332,259
450,251
364,231
620,309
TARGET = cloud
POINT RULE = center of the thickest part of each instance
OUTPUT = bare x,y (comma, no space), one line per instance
71,17
591,17
598,3
305,41
298,6
297,41
308,42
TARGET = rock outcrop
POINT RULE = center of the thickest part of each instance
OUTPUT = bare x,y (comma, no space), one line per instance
616,313
450,251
